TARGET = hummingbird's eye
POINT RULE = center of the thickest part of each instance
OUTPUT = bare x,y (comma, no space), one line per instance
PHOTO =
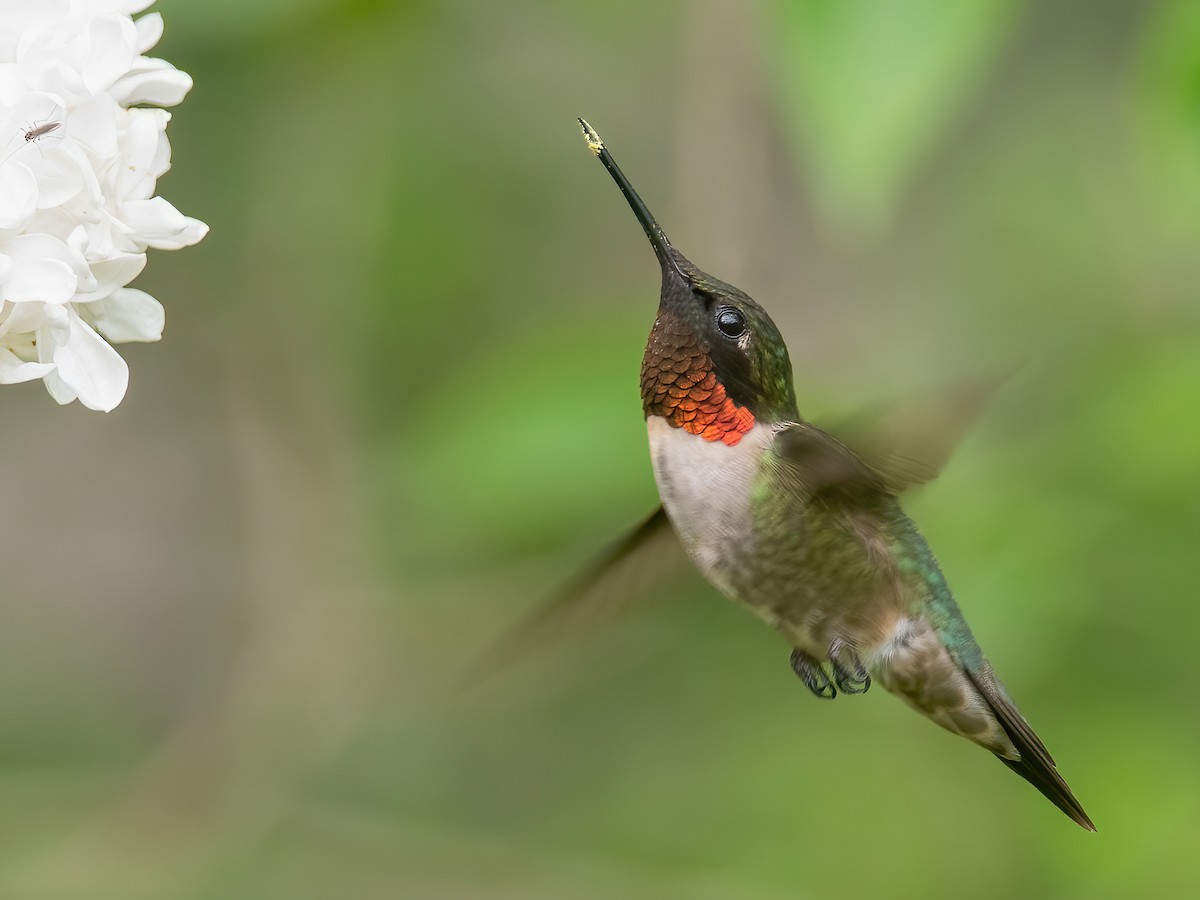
731,322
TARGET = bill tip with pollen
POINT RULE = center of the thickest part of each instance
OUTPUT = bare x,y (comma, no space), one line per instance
589,134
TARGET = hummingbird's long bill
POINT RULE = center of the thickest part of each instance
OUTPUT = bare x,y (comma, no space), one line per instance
658,239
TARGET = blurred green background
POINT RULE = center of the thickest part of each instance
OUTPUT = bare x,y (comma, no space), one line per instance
397,400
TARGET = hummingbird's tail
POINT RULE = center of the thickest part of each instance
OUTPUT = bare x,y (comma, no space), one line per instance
965,697
1036,765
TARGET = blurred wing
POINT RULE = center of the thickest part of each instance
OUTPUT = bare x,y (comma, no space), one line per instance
908,441
619,575
820,466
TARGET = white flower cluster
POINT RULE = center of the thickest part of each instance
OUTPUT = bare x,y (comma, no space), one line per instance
79,158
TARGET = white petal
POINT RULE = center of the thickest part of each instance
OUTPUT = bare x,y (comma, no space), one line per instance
94,124
52,329
156,223
128,315
54,76
88,205
111,274
44,269
21,17
139,150
162,152
152,81
14,370
126,7
152,219
58,389
149,30
77,240
58,176
24,317
89,368
18,195
193,233
101,242
40,280
111,52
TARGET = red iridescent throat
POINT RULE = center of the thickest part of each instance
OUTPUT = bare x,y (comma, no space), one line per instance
679,384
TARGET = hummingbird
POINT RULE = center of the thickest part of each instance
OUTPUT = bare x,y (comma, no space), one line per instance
788,521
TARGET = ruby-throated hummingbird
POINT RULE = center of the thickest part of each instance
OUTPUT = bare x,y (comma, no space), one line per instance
788,521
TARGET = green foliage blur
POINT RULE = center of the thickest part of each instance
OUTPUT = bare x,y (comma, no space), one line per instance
397,400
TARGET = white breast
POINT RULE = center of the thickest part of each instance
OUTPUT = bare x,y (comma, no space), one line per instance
706,487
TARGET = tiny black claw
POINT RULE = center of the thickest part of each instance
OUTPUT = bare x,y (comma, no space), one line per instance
812,674
848,671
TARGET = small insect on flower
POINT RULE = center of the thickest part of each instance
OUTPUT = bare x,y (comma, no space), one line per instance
33,131
40,130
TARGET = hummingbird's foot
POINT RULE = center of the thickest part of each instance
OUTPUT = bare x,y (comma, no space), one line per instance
848,671
812,674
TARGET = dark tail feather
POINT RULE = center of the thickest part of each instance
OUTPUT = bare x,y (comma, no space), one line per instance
1047,780
1036,765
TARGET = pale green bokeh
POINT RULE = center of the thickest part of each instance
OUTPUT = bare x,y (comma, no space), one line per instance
396,400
